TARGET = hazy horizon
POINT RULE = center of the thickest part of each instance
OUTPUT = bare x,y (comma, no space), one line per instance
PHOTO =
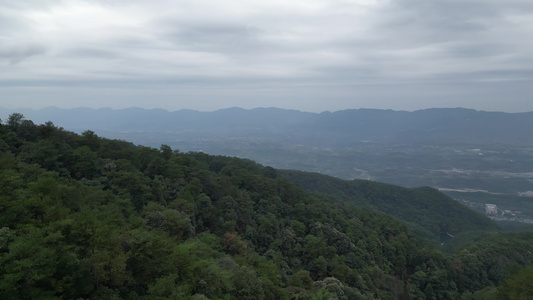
237,107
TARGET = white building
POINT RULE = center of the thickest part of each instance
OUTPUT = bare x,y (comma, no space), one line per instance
491,209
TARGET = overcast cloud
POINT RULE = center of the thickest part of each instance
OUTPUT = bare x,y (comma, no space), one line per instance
307,55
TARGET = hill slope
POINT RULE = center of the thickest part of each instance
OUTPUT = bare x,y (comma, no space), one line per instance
428,212
92,218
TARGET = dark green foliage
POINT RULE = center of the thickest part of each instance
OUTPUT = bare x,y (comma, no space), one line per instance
426,211
518,286
90,218
490,260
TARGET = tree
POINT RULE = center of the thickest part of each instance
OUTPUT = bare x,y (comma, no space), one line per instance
166,151
233,244
28,131
247,285
6,237
14,120
85,163
518,286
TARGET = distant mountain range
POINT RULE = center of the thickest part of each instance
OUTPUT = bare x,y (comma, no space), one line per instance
344,128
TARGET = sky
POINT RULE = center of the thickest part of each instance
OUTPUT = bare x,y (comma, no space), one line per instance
312,55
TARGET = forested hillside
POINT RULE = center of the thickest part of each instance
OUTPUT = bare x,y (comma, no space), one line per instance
427,212
476,157
90,218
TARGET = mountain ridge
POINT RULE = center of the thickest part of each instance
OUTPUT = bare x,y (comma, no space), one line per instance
339,128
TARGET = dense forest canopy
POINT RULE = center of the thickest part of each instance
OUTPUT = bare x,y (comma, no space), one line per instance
426,211
90,218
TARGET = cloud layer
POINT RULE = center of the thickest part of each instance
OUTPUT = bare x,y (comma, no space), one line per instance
309,55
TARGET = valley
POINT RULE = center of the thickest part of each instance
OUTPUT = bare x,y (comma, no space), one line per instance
476,157
472,176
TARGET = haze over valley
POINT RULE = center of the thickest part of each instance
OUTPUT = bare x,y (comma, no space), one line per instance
476,157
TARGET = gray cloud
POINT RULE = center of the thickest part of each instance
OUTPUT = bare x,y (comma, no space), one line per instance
17,53
213,37
399,54
91,52
9,22
29,4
